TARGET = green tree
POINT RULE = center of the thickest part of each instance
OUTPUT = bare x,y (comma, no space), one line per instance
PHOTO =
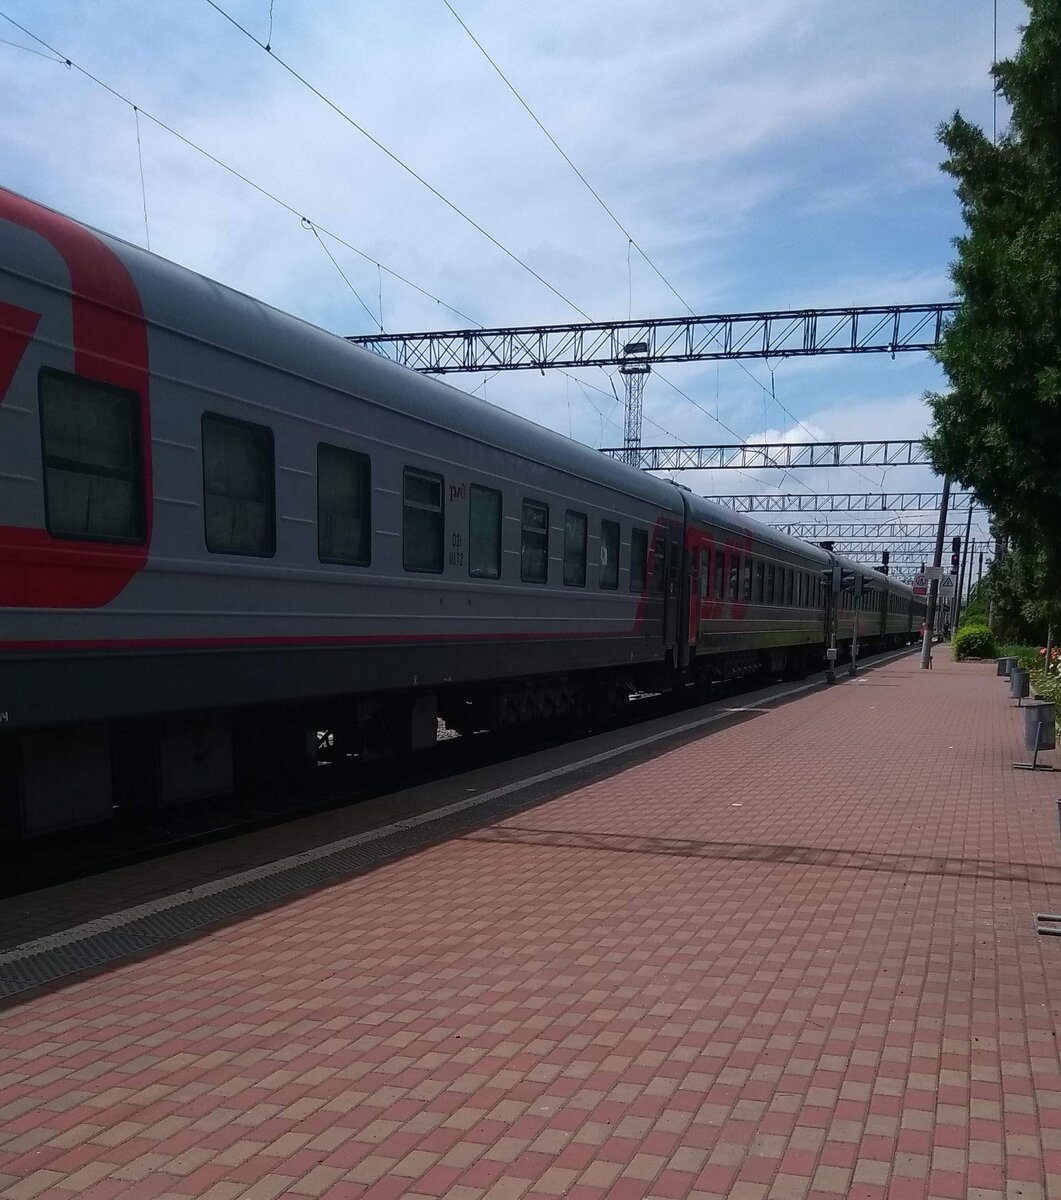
998,430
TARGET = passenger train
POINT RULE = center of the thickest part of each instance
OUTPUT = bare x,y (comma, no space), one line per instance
222,529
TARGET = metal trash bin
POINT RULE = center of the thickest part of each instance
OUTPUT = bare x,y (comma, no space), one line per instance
1039,719
1018,684
1005,665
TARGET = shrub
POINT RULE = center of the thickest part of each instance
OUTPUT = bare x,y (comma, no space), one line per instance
974,641
1028,657
1047,686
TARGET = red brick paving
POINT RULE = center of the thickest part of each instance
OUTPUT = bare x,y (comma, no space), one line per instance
794,959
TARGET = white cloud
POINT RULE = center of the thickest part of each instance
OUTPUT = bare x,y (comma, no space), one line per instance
764,155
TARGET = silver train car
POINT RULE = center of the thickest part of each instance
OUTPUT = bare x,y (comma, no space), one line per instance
223,529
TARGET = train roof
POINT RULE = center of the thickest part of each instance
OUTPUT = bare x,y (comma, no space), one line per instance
189,305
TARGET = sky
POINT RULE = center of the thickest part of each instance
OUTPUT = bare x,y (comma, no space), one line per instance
781,154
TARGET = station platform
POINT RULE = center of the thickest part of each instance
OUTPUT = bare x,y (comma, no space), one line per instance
793,957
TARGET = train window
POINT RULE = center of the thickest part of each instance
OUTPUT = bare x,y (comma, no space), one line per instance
746,590
800,581
90,438
484,532
238,487
659,565
423,521
609,555
574,549
638,557
788,585
534,543
720,573
760,576
771,584
705,572
733,588
344,505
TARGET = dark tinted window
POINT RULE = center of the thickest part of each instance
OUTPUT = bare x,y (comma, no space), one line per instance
574,549
344,505
760,573
659,564
705,573
771,583
484,532
609,555
788,586
638,557
534,543
734,576
720,573
422,521
90,437
746,590
238,487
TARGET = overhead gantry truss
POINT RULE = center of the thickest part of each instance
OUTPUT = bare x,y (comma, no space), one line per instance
787,456
898,550
888,531
883,329
846,502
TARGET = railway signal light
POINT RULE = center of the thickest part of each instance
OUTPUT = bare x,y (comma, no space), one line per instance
885,558
955,554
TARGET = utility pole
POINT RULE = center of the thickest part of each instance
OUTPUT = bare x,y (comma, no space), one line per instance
961,574
933,587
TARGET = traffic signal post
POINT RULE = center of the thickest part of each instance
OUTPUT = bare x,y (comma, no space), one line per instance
933,587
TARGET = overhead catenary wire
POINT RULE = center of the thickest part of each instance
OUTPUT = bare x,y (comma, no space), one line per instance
61,59
143,185
307,224
55,55
631,241
400,162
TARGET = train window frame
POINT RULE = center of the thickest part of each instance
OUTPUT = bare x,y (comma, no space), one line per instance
209,419
657,581
474,571
574,564
747,576
720,573
760,581
733,576
414,506
133,477
638,560
705,571
327,450
610,541
789,581
531,530
771,583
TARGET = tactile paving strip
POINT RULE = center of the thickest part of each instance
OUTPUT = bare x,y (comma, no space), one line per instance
33,967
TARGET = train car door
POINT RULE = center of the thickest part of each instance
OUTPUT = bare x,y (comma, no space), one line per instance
671,605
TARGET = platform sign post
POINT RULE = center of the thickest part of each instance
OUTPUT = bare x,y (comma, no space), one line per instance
937,559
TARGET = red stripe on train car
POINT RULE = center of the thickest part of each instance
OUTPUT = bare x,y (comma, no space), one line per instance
307,641
110,346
